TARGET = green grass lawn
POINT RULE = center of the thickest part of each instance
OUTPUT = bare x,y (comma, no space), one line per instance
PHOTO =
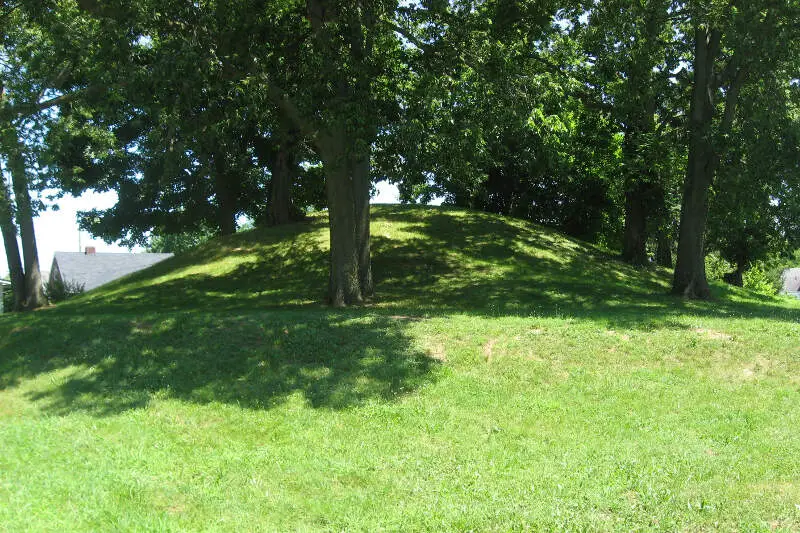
505,378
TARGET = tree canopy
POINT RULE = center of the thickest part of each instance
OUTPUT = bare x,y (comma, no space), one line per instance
655,128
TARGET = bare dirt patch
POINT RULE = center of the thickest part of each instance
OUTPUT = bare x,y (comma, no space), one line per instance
713,334
759,366
622,336
488,350
437,352
406,318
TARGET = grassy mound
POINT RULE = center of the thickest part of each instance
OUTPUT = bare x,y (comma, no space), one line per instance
504,377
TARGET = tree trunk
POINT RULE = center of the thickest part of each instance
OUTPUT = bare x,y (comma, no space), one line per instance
226,201
637,152
635,239
280,208
34,291
690,270
345,285
736,278
361,185
13,257
664,249
347,184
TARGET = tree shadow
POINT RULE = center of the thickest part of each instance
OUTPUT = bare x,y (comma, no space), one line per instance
445,261
484,265
106,365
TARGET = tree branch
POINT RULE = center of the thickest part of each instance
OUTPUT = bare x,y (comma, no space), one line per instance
732,99
289,109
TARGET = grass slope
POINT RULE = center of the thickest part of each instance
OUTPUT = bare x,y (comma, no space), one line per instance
505,378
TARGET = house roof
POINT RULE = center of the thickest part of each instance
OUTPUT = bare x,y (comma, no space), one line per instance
791,280
93,270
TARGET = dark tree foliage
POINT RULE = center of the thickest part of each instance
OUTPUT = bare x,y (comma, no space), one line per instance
634,125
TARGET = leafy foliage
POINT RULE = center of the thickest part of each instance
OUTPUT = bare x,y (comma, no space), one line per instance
177,243
58,290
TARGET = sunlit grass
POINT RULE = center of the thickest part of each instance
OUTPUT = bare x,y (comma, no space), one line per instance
505,377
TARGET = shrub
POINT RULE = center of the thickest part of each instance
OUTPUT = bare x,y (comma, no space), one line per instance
8,300
59,290
757,279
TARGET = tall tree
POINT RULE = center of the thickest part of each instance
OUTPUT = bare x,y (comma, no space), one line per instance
735,44
631,54
32,75
348,53
33,293
753,209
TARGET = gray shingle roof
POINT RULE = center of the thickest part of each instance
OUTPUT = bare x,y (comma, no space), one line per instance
93,270
791,280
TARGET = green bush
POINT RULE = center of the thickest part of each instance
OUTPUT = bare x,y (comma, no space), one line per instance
59,290
717,267
758,279
177,243
8,300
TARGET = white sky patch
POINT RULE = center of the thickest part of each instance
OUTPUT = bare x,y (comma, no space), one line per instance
388,193
385,193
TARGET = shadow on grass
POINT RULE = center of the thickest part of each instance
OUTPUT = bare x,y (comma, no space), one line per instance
202,327
110,364
484,265
267,268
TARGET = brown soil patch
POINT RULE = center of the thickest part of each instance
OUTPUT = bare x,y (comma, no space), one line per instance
406,317
437,352
621,336
488,349
713,334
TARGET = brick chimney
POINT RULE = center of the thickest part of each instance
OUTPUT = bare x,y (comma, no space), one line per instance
90,250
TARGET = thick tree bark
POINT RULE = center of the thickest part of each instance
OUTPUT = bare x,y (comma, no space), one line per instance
11,245
283,170
361,190
280,202
347,183
663,249
736,278
226,199
635,238
34,291
637,151
690,270
345,285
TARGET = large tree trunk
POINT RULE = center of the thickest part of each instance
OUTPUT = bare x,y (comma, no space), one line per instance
663,249
736,278
283,168
361,185
635,238
637,151
346,163
347,185
34,291
345,284
226,199
11,245
690,270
